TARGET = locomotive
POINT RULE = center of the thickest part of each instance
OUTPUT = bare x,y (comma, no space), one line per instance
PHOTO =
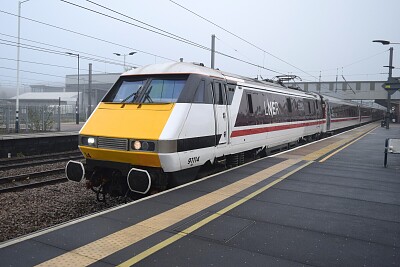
159,124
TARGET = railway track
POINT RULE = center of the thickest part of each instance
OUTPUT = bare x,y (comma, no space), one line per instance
29,180
39,160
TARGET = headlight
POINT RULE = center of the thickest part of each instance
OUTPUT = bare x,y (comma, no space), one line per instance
91,141
142,145
88,141
137,145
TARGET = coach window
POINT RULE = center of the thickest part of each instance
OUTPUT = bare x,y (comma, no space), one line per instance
250,103
289,104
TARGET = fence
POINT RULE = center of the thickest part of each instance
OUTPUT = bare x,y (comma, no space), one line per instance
35,118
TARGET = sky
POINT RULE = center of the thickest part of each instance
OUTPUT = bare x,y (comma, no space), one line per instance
314,39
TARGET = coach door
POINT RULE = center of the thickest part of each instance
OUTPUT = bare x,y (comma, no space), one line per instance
328,116
221,113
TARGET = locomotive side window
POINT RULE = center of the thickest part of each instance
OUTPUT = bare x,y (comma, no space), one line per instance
219,94
209,93
199,96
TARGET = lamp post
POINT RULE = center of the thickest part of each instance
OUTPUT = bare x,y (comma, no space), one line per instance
77,100
390,78
18,48
124,55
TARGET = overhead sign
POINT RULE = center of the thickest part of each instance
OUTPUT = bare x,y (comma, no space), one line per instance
392,85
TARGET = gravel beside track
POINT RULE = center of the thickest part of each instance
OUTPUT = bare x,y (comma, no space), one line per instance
31,169
30,210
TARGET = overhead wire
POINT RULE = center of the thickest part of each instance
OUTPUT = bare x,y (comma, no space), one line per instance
9,76
52,51
363,59
68,49
10,83
81,78
144,23
231,47
34,72
47,64
180,39
85,35
355,74
149,25
244,40
261,49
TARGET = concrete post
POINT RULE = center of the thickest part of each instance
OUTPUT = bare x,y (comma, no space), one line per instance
90,90
59,115
388,93
213,51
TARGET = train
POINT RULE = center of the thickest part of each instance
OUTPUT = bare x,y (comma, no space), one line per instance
159,124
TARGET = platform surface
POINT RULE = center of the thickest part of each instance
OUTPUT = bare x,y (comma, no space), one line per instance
330,203
66,129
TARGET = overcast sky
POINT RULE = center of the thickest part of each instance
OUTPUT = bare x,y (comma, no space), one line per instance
312,35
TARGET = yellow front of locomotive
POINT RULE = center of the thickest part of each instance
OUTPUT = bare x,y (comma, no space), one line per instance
120,140
125,134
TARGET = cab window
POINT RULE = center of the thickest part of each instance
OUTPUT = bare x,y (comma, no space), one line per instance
163,91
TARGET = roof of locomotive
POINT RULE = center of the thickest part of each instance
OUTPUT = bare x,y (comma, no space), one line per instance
189,68
174,68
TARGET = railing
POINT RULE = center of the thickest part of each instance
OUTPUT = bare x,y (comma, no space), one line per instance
35,118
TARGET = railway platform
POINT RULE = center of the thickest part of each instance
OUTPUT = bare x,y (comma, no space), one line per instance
329,203
27,144
66,129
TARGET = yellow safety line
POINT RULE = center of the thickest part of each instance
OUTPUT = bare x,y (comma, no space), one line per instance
314,156
205,221
352,142
103,247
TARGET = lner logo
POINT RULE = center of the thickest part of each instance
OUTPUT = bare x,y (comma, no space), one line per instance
271,108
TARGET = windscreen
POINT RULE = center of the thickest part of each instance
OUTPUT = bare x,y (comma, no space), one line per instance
127,91
155,89
163,91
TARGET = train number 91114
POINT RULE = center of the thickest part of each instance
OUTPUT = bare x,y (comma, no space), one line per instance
193,160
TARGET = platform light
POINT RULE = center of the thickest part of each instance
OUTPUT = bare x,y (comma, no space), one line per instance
385,42
124,55
18,70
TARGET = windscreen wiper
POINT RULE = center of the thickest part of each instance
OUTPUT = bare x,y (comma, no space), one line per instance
146,97
134,94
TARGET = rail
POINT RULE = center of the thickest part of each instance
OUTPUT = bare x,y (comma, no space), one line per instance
29,180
